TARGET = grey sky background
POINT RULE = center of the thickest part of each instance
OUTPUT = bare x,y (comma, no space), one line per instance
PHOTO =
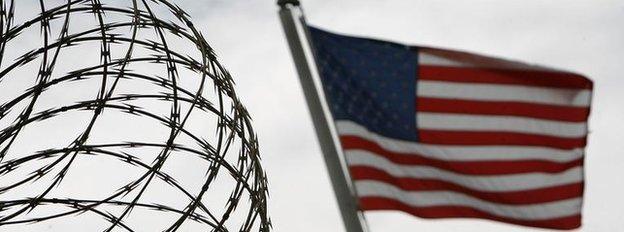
581,36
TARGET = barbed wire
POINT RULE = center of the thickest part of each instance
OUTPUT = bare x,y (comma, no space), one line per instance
232,150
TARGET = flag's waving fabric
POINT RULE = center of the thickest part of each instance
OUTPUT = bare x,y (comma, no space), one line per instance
438,133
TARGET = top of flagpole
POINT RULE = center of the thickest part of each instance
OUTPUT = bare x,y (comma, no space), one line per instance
283,3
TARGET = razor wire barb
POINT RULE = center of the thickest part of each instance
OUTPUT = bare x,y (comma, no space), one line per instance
233,121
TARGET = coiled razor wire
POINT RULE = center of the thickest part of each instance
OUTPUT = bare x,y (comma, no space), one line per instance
118,117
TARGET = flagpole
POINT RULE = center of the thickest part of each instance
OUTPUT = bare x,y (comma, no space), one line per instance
347,202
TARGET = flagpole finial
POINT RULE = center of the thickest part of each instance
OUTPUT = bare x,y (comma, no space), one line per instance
283,3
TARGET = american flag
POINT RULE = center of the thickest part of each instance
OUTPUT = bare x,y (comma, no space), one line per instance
439,133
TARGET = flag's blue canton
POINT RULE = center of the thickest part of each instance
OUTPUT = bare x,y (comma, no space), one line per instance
370,82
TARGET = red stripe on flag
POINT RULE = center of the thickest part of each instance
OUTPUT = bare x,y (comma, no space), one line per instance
532,196
497,138
380,203
463,167
504,76
532,110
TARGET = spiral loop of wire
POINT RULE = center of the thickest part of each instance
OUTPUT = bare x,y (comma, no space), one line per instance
154,70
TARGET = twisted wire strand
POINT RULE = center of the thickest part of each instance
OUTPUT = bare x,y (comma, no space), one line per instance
234,133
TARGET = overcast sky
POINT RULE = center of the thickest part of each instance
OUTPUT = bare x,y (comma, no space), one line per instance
586,37
582,36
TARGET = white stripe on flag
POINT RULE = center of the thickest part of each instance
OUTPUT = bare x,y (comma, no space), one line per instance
464,122
492,183
460,153
499,92
426,57
541,211
430,59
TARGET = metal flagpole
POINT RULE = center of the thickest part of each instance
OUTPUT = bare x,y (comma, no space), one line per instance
346,200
